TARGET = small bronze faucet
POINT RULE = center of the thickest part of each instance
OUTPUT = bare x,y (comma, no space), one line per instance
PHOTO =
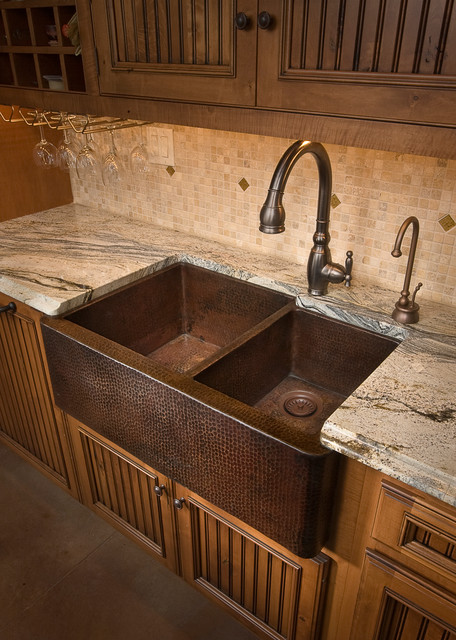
406,311
320,269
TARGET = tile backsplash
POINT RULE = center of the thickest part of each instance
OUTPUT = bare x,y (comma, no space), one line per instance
220,181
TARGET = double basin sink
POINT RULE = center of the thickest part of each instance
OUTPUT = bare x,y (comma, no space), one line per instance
220,384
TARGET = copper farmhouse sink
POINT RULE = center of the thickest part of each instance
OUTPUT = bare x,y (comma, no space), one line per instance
220,384
180,315
300,368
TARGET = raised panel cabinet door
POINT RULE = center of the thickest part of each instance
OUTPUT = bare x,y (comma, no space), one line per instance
275,593
394,602
131,496
27,418
169,49
371,59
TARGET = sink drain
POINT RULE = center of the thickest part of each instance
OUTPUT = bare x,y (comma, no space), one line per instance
301,404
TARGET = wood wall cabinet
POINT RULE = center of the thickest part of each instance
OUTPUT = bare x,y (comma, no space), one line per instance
30,53
175,51
28,420
372,73
388,61
274,592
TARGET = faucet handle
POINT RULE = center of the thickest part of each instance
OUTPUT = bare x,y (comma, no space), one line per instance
348,268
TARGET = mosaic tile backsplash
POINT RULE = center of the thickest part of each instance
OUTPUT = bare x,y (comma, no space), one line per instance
220,180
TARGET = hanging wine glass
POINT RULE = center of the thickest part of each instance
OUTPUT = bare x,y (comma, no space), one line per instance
139,157
66,153
112,168
86,161
44,152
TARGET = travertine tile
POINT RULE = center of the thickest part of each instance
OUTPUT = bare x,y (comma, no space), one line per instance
377,191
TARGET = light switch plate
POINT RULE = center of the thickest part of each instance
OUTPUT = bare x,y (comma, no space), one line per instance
160,145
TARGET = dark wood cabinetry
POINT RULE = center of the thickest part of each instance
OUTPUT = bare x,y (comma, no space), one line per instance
28,419
34,52
276,593
390,61
397,603
388,570
387,61
407,587
132,497
371,73
175,51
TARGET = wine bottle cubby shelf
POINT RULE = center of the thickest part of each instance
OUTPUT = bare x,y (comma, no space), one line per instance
34,51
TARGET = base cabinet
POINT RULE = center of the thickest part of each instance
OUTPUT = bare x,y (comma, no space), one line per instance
397,603
406,585
275,593
28,421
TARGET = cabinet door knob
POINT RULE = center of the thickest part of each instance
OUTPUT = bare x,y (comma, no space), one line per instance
265,20
8,307
178,503
241,21
159,490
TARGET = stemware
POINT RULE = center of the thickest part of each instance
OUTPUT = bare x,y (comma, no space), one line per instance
112,168
44,152
66,153
86,161
139,157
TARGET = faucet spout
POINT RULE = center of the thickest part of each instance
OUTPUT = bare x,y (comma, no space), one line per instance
405,310
320,269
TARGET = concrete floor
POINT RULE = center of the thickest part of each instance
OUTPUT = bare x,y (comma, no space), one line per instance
65,574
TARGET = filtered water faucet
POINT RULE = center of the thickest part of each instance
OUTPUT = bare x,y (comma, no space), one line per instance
320,269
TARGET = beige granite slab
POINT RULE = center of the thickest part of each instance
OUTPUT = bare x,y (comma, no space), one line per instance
401,420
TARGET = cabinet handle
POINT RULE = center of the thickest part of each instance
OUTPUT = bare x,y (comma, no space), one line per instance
265,20
178,503
8,307
159,490
241,21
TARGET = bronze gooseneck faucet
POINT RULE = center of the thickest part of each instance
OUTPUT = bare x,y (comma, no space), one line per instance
320,269
406,311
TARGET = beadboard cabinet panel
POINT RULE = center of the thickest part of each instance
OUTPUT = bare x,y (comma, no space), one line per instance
124,492
369,59
277,594
175,50
28,422
396,603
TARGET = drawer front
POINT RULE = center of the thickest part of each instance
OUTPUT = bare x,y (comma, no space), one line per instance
424,533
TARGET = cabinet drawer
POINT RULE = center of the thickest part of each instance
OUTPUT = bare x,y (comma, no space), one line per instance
422,532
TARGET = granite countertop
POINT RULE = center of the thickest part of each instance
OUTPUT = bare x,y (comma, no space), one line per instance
401,420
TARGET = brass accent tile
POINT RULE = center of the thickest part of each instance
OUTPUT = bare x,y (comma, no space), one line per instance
243,184
447,222
376,191
335,202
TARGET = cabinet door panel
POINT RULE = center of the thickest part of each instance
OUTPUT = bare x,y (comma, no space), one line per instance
279,595
123,492
27,417
377,59
396,603
175,50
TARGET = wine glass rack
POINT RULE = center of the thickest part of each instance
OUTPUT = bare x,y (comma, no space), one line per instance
62,120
